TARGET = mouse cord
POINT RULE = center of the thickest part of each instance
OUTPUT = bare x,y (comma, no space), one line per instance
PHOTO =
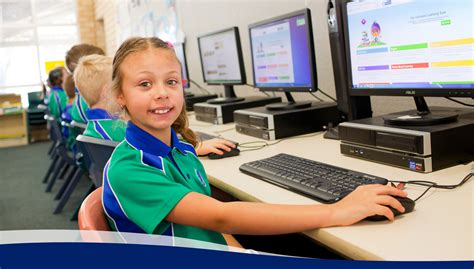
256,145
430,184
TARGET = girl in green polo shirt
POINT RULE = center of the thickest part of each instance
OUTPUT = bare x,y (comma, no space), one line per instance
154,182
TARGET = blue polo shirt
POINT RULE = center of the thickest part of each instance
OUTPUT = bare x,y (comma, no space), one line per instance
145,179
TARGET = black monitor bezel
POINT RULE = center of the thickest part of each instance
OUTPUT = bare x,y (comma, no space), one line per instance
243,79
314,77
188,82
443,92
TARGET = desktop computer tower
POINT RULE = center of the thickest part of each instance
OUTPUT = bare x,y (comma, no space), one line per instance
275,124
350,107
224,113
190,100
417,148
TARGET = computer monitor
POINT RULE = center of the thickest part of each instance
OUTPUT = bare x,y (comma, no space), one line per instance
283,56
411,48
181,54
222,62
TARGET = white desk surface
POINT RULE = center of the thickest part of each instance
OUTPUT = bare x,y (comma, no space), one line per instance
440,227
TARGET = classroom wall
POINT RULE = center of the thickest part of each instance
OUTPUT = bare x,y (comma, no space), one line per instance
106,13
198,17
91,28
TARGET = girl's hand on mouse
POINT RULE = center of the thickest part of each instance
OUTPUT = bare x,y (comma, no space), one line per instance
365,201
215,145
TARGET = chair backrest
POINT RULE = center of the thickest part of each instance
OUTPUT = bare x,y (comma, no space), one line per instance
55,129
79,125
34,99
91,214
96,152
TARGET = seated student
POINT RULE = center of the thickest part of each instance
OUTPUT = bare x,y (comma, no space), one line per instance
79,108
154,183
57,98
92,77
68,133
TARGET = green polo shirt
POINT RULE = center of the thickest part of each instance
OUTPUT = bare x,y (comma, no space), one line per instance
102,125
145,179
57,102
79,108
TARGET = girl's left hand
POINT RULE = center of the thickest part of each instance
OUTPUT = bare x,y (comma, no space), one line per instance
215,145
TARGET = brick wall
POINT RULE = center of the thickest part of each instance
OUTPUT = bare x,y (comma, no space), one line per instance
105,12
96,21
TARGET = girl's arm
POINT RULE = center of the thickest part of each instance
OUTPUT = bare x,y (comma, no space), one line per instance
263,219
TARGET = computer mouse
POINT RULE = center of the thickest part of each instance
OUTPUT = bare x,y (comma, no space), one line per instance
406,202
233,152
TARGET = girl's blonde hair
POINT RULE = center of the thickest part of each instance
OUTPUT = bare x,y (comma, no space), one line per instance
136,44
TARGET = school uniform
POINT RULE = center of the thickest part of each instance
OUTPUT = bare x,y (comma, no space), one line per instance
79,109
145,179
57,102
102,125
68,134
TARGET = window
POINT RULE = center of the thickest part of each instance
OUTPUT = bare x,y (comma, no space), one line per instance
33,32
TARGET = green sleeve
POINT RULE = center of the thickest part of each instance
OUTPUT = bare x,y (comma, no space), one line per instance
53,105
146,194
79,108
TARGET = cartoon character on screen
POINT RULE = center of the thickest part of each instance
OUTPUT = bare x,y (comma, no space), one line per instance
365,39
375,30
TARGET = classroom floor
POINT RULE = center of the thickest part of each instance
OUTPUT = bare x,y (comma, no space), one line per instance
23,202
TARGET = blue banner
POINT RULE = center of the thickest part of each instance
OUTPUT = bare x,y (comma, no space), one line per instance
106,255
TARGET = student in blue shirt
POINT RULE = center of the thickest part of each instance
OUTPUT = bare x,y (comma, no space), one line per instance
57,97
154,182
93,79
80,106
68,133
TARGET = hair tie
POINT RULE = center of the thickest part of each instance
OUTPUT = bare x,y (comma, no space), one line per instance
169,44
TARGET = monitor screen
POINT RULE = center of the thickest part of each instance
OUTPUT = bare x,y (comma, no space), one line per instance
179,49
283,53
411,47
221,57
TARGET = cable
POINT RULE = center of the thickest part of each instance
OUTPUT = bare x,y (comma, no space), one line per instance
253,86
225,130
430,184
264,144
320,100
199,86
459,102
328,96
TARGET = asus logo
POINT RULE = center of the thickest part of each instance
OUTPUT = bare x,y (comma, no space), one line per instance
410,92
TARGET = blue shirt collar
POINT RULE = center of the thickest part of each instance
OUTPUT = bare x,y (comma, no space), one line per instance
57,88
142,140
98,114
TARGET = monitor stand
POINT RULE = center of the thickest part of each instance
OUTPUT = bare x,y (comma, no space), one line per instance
230,97
290,105
422,117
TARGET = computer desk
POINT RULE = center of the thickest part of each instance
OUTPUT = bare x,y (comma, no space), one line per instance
440,227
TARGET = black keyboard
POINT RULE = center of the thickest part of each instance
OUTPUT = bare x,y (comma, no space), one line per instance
320,181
